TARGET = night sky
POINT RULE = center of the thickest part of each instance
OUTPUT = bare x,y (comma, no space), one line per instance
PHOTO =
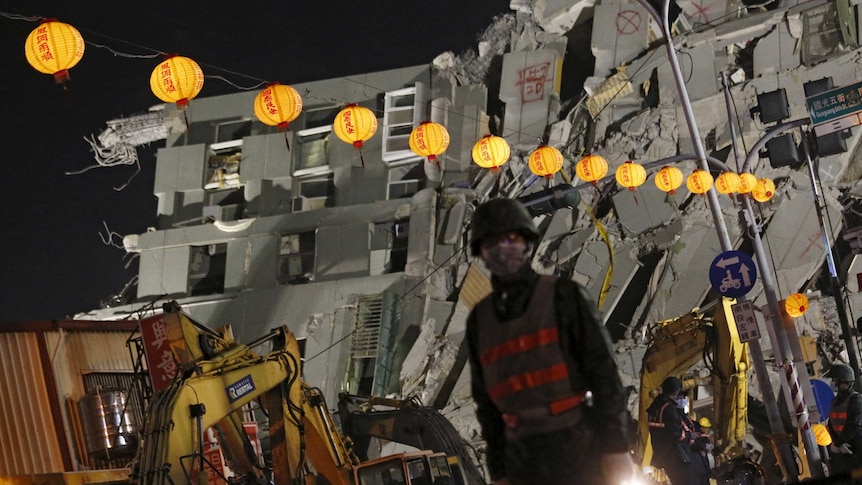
54,262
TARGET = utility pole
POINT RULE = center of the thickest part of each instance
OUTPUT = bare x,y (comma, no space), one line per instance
795,378
786,458
835,283
791,375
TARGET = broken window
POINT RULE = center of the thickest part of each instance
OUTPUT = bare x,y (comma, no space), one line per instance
388,247
223,163
372,349
822,29
207,269
296,258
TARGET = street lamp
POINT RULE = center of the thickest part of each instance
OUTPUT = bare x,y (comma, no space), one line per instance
785,454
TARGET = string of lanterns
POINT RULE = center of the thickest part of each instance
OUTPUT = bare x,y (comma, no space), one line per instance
55,47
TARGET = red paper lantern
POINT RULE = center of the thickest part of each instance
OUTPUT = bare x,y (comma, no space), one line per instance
491,152
591,168
545,161
54,48
668,179
277,105
177,79
355,125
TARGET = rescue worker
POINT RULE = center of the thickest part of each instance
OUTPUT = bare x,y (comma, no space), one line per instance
845,422
670,435
548,397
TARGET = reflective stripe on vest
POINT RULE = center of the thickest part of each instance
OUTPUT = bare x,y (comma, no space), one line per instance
522,343
529,380
838,415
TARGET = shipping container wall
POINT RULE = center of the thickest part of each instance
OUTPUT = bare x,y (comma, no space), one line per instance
28,439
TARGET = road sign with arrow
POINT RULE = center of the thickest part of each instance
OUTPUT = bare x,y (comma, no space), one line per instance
732,273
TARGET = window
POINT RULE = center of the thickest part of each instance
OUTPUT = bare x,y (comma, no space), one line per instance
223,163
233,130
405,180
311,151
403,109
319,117
296,258
388,247
207,269
315,193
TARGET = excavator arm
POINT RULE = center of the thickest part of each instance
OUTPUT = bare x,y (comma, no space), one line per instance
218,377
679,344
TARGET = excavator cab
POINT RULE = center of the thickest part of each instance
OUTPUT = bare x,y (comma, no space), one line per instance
414,468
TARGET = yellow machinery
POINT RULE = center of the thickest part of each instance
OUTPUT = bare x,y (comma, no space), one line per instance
217,378
677,345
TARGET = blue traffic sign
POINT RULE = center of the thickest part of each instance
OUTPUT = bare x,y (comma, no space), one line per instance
732,273
822,397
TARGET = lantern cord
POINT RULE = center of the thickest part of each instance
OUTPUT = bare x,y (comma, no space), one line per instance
286,141
186,118
123,54
222,78
361,159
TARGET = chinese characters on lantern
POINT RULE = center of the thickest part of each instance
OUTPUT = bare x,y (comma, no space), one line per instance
167,77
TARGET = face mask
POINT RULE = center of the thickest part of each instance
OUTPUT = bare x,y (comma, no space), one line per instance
682,402
505,258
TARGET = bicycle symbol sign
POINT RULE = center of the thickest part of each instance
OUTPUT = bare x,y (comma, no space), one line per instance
732,273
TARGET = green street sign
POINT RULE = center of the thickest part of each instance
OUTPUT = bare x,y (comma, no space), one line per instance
836,110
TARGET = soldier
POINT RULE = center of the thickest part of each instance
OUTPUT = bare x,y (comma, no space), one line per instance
548,396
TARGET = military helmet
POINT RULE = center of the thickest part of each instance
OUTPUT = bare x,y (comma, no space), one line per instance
499,216
843,373
671,385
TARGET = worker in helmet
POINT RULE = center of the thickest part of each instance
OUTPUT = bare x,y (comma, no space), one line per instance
672,435
845,422
548,396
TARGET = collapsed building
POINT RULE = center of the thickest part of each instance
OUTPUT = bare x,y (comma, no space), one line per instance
362,254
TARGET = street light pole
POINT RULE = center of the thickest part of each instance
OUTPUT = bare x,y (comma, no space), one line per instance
811,447
792,374
835,284
786,458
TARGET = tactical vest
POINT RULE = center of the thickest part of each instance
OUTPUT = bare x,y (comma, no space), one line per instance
838,415
525,373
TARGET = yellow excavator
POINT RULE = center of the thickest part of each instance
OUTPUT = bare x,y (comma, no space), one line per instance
675,347
217,377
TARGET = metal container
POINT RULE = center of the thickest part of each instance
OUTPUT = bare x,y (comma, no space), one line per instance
110,427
